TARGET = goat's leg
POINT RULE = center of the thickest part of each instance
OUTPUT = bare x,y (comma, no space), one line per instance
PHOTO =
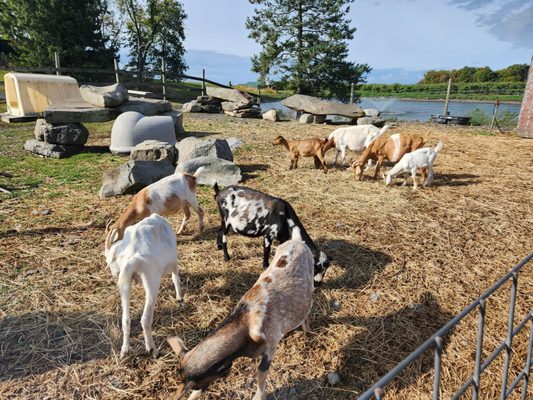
198,210
176,280
413,175
267,242
262,372
151,287
222,241
186,217
336,156
424,175
124,284
343,154
323,162
317,162
378,166
295,161
429,177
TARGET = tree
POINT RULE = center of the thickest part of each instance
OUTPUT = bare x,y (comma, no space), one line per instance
484,74
154,31
304,44
514,73
36,29
435,76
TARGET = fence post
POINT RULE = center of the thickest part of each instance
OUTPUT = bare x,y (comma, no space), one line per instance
203,82
494,112
230,84
115,63
163,78
56,61
447,97
351,93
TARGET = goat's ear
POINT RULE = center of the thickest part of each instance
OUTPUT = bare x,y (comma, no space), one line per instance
108,224
178,346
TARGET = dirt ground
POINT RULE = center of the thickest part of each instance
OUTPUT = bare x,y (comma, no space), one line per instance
404,263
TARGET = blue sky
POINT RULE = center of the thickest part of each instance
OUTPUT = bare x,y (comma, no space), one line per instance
399,39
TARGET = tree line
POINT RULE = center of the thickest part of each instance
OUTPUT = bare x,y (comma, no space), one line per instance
513,73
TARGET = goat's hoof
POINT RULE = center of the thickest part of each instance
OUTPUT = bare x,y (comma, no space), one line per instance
181,302
226,258
154,352
123,351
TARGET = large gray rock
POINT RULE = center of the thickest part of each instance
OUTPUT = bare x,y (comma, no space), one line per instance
306,118
234,143
316,106
191,107
271,115
320,119
376,121
233,106
51,150
105,96
69,134
254,112
230,94
131,177
207,100
216,170
154,150
192,147
371,112
211,108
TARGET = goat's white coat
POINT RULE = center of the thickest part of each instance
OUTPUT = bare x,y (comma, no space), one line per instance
410,162
355,138
148,250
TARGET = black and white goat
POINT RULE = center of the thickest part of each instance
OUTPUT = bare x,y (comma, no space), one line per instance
251,213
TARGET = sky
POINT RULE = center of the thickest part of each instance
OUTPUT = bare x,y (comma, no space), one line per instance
399,39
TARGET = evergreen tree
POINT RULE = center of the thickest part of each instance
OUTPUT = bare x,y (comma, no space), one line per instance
154,31
304,43
35,29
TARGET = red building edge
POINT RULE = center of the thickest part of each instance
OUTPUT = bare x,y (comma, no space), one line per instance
525,120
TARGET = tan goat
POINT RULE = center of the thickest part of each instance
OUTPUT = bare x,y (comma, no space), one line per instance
390,148
164,197
313,147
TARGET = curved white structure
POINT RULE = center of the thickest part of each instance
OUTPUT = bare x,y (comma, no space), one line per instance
131,128
30,94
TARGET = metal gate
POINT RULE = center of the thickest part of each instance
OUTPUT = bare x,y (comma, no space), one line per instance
435,343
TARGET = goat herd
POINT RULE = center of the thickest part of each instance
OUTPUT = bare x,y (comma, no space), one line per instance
280,300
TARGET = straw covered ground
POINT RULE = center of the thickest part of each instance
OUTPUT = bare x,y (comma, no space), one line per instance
404,264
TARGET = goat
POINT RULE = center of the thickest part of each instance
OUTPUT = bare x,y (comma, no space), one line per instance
164,197
390,148
422,158
355,138
251,213
147,251
313,147
278,303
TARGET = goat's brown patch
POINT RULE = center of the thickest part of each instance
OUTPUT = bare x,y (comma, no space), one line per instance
267,279
253,293
282,262
191,181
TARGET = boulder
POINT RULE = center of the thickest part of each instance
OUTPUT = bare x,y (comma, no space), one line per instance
216,170
203,100
177,118
131,177
234,106
51,150
271,115
192,147
230,94
104,96
68,134
306,119
191,107
376,121
371,112
320,119
316,106
211,108
154,150
245,113
234,143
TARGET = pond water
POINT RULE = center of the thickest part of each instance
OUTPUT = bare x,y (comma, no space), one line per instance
412,110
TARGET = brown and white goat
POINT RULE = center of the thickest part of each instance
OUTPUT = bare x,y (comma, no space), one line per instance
313,147
278,303
164,197
390,148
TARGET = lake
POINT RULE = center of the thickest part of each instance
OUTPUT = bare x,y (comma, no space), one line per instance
412,110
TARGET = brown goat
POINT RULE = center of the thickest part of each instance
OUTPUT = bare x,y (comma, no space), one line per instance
390,148
313,147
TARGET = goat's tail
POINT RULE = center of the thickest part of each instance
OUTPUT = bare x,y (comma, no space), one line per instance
216,189
384,129
439,147
198,172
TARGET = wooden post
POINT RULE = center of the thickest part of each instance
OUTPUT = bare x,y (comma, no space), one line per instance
230,84
58,65
163,78
351,92
447,97
115,62
203,82
494,112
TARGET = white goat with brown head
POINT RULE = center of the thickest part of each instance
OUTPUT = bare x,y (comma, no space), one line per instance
278,303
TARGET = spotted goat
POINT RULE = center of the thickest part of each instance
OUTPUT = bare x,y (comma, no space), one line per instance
252,213
278,303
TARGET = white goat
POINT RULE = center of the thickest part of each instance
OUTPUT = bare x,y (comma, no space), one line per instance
278,303
355,138
422,158
147,251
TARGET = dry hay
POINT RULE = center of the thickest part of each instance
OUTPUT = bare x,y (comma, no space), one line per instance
404,264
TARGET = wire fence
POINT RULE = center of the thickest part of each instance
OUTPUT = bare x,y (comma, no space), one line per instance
435,344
